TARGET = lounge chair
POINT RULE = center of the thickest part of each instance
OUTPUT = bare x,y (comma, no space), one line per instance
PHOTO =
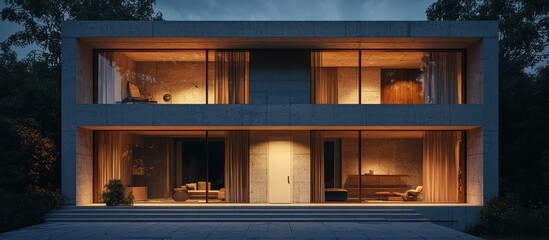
410,195
134,95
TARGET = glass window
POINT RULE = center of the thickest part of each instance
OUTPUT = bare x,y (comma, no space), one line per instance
411,77
172,77
386,77
228,77
334,77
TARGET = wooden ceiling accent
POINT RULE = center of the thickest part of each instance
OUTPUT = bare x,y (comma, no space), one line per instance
187,134
373,134
392,59
371,58
167,56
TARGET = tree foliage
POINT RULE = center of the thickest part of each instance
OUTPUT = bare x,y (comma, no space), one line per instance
524,94
30,88
42,20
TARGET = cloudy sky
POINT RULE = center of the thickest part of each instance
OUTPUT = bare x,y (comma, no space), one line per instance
379,10
293,9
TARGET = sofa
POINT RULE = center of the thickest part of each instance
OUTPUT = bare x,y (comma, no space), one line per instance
197,191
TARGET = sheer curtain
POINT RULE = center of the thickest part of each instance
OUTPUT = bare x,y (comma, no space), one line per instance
440,166
106,74
323,81
231,84
114,70
317,167
237,166
442,77
109,163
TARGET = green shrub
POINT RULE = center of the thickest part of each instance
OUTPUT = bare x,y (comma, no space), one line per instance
114,194
24,209
506,216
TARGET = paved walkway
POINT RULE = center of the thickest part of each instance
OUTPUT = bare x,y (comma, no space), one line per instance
231,230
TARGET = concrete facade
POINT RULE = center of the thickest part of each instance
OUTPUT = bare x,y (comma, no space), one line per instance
283,102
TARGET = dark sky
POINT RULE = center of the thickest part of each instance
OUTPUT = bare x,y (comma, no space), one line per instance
293,9
275,10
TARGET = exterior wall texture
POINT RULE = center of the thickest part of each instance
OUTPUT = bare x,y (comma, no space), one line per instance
286,105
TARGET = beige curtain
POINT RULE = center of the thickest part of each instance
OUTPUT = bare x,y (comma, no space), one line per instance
237,166
323,81
442,77
317,167
231,77
109,160
440,166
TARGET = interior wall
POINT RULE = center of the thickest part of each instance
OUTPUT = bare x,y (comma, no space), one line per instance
184,81
84,166
157,167
371,86
349,158
127,141
384,156
347,85
394,156
300,165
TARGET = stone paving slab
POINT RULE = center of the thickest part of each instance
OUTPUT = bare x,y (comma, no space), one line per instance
232,230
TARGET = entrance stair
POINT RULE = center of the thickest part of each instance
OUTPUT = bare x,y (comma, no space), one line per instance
234,214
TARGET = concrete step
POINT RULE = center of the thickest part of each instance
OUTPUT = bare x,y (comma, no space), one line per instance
232,214
236,220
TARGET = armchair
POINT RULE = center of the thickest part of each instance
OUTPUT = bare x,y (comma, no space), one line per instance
410,195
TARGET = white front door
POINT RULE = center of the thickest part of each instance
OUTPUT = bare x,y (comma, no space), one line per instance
279,170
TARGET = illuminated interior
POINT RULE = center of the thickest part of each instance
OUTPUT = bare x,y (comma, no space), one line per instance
386,77
329,166
172,77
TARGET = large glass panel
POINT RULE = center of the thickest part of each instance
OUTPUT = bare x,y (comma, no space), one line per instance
143,162
172,77
163,77
411,77
180,166
334,77
228,77
425,166
334,166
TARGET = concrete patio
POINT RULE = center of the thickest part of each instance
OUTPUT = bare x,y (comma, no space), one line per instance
239,230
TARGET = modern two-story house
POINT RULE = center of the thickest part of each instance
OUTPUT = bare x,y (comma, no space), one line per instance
358,113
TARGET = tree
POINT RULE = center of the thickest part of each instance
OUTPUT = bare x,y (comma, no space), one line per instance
42,19
524,125
30,88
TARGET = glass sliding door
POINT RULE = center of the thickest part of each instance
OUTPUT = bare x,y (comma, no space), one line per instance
413,166
174,166
388,166
334,166
391,163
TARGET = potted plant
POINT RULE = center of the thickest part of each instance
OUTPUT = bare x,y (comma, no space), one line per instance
114,194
